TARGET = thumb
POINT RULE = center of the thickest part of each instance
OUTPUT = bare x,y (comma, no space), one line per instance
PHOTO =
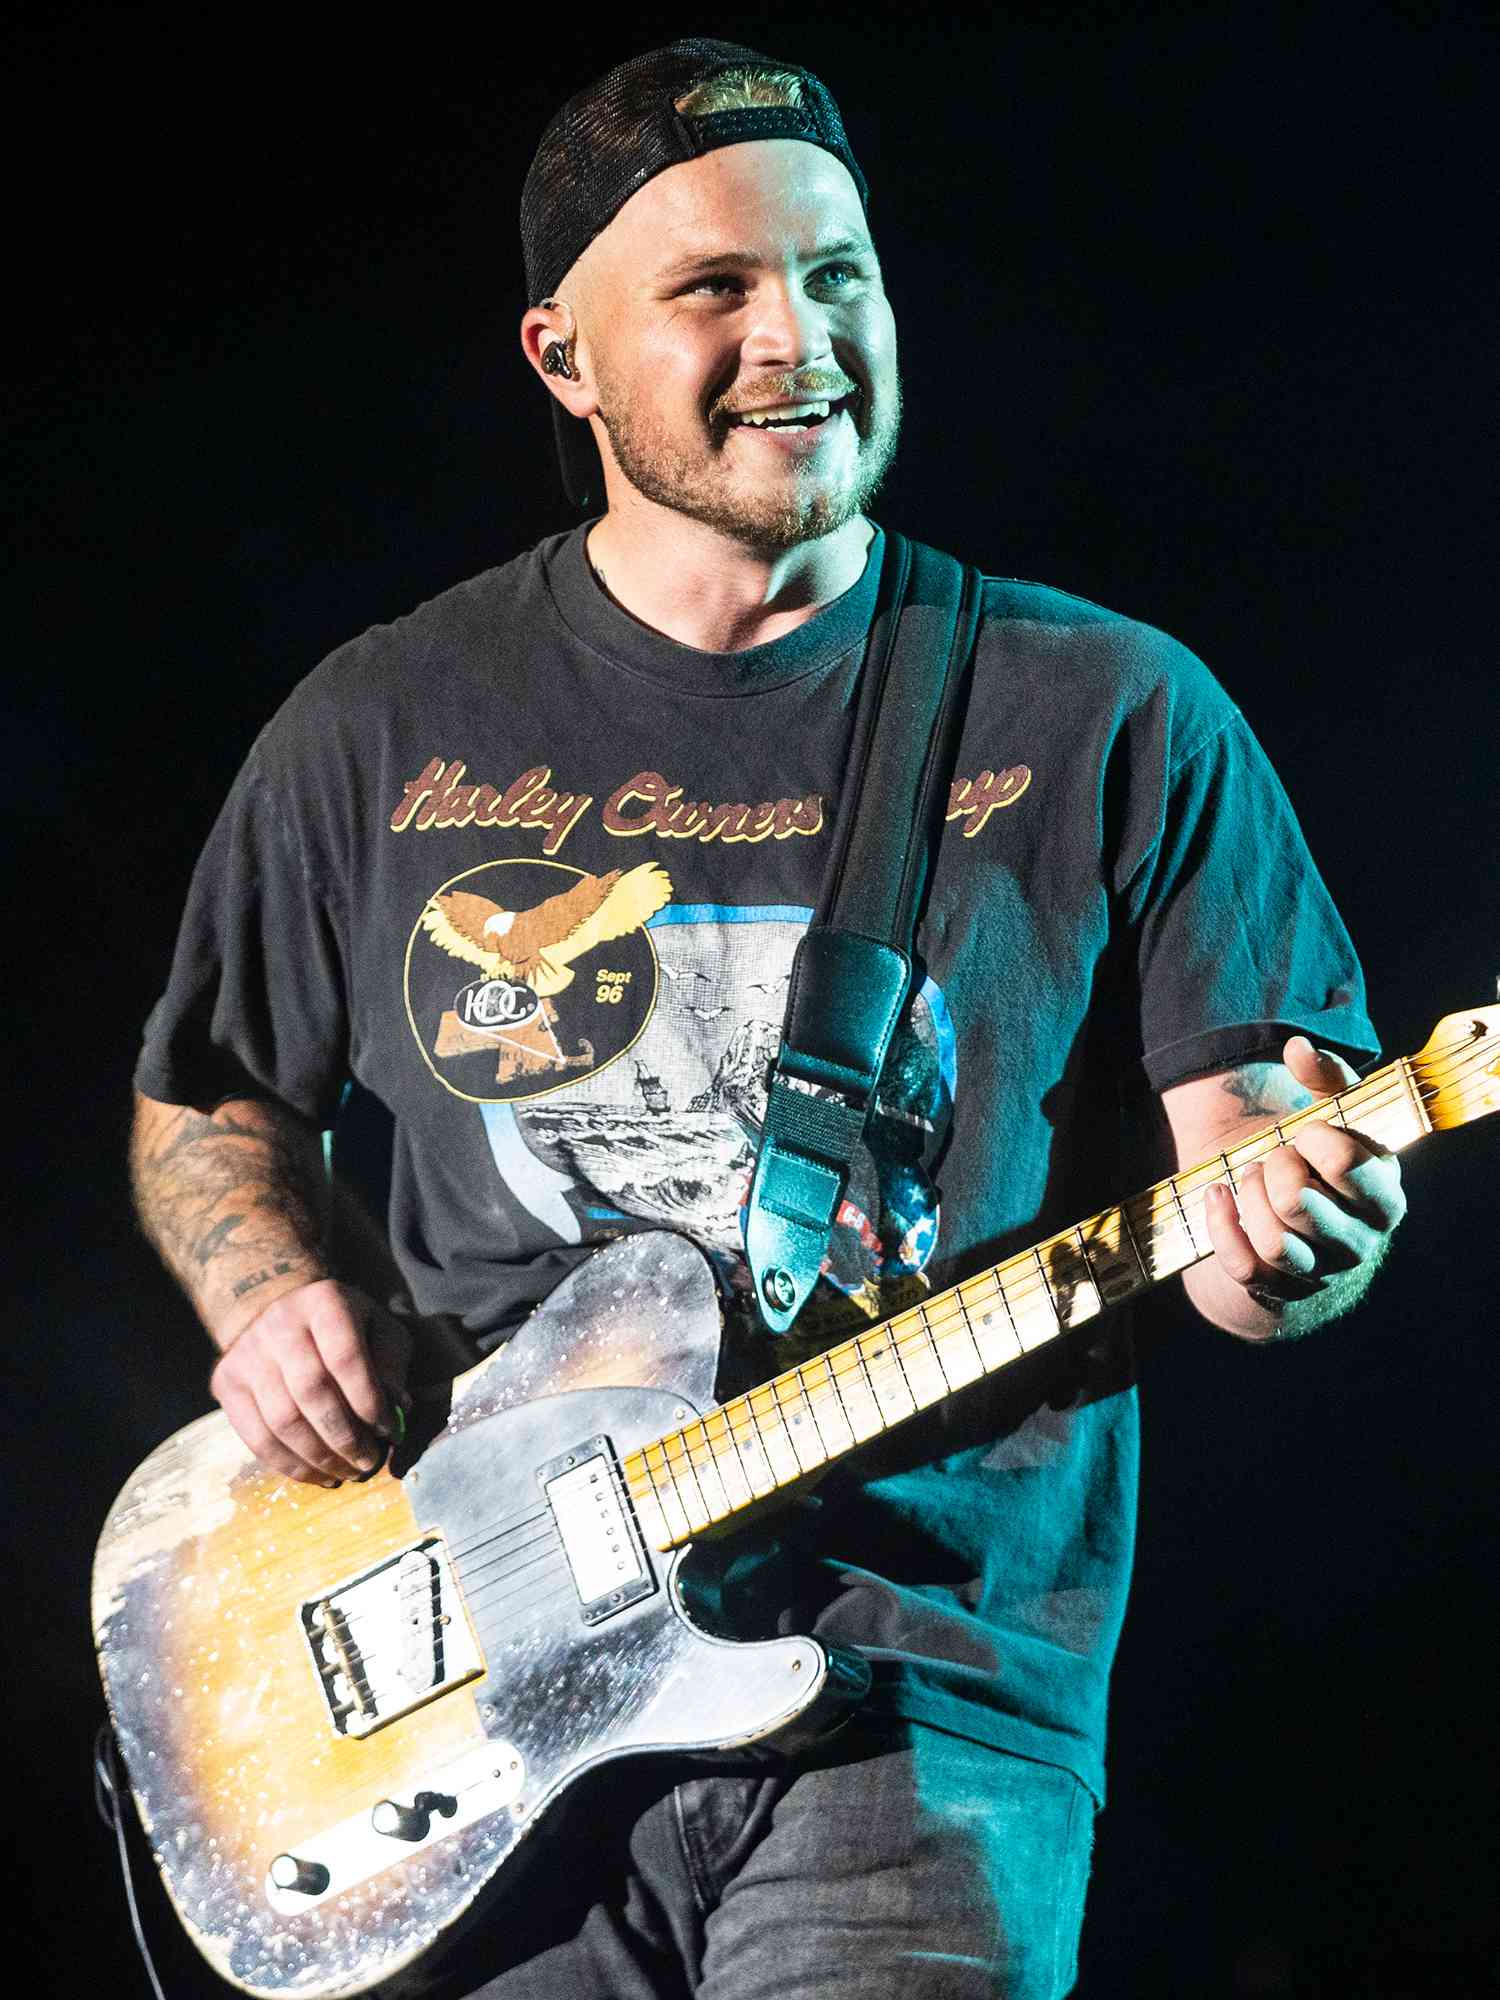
1317,1070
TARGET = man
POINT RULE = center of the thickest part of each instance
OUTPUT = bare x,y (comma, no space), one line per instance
530,865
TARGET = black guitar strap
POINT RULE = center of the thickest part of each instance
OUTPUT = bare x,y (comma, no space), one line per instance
852,969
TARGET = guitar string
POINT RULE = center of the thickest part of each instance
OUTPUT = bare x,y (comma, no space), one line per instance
698,1460
472,1593
922,1337
704,1453
935,1325
472,1596
1023,1291
458,1550
933,1322
744,1426
485,1591
947,1318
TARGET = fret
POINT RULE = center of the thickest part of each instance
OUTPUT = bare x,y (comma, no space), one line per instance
1108,1267
831,1416
1032,1312
687,1489
936,1335
705,1465
992,1324
857,1391
1394,1125
1036,1258
887,1382
643,1498
771,1435
746,1434
895,1348
653,1524
1229,1174
664,1490
728,1463
1067,1289
1424,1123
958,1352
799,1369
1147,1276
918,1359
798,1421
1070,1275
1187,1228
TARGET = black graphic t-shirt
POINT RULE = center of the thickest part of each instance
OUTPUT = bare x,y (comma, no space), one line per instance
531,875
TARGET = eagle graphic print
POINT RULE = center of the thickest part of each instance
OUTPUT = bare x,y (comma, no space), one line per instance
531,971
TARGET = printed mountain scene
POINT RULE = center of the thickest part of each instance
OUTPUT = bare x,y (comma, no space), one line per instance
668,1136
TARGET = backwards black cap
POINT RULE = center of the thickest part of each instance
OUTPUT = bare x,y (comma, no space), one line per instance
617,134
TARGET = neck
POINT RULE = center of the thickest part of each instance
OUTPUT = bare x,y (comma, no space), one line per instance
698,586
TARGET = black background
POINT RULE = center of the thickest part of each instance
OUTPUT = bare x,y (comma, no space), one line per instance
1198,318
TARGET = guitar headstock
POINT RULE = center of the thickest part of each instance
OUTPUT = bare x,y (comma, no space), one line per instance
1458,1072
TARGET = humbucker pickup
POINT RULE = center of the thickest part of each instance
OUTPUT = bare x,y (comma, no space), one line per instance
598,1530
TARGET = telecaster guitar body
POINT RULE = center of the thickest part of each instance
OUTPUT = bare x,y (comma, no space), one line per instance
343,1711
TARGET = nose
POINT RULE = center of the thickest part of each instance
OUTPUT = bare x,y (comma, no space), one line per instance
788,329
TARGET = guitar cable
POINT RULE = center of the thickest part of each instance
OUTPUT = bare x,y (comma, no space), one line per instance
108,1788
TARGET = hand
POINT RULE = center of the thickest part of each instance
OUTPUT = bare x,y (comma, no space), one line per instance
1325,1202
310,1384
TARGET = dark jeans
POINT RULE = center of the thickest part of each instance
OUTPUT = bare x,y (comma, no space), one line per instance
895,1864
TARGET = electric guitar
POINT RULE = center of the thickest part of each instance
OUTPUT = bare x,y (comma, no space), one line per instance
344,1712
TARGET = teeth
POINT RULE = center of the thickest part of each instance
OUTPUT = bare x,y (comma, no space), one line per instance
790,414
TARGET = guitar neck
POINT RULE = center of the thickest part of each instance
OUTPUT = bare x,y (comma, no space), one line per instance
757,1444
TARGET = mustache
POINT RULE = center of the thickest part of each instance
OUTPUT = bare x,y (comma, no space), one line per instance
787,389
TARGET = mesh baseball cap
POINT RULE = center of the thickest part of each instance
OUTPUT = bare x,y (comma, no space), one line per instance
613,137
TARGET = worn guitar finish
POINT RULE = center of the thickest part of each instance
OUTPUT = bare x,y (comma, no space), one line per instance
221,1710
342,1712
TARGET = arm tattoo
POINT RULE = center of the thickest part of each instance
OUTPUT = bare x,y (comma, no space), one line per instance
231,1200
1266,1090
222,1230
243,1285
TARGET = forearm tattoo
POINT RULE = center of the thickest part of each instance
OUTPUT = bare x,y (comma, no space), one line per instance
228,1199
257,1278
1266,1090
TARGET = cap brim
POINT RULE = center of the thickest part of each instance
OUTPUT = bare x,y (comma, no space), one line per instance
582,474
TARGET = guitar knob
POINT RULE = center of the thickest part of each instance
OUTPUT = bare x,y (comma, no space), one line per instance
399,1822
289,1871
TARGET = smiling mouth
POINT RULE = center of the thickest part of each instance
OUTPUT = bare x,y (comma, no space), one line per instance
808,415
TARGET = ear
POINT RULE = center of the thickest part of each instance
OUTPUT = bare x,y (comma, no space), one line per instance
548,325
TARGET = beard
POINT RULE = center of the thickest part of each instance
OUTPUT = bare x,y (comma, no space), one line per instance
768,520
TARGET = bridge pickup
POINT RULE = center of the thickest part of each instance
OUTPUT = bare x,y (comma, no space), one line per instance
392,1637
597,1525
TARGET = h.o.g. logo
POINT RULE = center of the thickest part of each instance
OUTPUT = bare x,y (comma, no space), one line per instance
522,976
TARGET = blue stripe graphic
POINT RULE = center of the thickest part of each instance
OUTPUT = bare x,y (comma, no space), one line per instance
731,913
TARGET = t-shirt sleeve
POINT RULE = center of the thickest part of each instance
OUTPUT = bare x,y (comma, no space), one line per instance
255,1004
1238,943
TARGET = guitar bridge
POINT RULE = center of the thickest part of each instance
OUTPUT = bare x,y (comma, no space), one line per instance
389,1639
